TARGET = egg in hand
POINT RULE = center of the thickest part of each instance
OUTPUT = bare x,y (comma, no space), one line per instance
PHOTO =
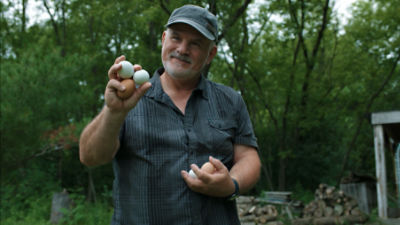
129,88
206,167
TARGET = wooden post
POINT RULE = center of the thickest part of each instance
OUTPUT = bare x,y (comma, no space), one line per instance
61,201
397,173
380,171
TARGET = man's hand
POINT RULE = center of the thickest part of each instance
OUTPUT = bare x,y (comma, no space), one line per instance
113,102
99,141
217,184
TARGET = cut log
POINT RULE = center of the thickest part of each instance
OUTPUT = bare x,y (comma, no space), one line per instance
265,218
356,212
338,209
318,212
328,211
330,202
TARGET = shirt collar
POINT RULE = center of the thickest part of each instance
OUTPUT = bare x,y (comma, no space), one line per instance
157,92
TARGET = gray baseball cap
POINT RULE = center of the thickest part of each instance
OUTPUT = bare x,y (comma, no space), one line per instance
199,18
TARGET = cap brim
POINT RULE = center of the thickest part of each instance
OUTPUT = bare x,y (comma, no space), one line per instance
195,25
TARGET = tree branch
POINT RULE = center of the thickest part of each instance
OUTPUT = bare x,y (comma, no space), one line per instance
233,20
53,22
46,150
164,7
321,31
257,35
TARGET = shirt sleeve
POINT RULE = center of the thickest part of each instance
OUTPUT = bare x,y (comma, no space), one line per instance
245,133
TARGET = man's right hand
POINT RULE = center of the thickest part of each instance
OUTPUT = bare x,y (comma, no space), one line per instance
115,103
99,141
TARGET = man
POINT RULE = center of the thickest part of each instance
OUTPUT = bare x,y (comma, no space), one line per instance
176,122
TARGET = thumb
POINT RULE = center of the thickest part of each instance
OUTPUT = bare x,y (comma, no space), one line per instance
141,90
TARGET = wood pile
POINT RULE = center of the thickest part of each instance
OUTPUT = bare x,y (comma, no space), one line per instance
251,211
331,206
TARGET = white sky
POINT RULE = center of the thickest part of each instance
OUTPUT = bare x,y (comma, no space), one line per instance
36,12
342,7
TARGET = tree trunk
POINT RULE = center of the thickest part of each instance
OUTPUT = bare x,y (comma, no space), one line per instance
91,196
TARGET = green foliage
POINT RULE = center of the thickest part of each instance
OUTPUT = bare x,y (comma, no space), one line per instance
84,213
39,97
302,194
26,196
33,206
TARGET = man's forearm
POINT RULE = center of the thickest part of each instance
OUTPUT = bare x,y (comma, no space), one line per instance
246,169
99,140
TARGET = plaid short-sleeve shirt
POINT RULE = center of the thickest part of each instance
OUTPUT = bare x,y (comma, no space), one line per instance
158,141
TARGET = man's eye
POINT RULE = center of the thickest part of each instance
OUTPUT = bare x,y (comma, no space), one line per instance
197,44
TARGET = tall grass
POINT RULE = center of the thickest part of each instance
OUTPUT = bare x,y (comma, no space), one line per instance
26,196
37,211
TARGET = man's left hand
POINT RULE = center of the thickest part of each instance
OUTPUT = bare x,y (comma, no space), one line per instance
217,184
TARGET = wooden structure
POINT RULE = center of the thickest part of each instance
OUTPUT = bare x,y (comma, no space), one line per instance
282,198
364,193
386,125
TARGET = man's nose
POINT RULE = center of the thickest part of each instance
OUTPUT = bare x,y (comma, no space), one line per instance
183,48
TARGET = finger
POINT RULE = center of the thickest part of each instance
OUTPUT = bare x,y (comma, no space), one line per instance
201,175
115,85
140,91
119,59
216,163
195,168
186,176
113,71
192,183
137,67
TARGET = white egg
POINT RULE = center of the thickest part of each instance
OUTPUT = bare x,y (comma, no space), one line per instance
192,174
141,76
126,70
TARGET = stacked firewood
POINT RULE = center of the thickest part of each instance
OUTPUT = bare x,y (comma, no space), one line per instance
251,211
331,206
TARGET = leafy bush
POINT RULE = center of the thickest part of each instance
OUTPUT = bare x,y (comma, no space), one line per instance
29,207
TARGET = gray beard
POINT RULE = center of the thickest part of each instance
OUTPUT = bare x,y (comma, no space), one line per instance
174,73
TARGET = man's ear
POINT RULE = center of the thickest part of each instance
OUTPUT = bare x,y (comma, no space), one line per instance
163,37
212,53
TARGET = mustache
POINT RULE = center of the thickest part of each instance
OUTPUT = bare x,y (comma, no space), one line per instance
180,57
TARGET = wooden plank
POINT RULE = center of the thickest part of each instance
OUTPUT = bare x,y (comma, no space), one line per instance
380,171
385,117
277,197
364,193
397,172
278,192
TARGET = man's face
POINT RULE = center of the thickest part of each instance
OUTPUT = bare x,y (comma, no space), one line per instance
185,51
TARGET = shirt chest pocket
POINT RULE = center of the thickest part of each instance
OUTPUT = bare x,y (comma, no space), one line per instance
217,136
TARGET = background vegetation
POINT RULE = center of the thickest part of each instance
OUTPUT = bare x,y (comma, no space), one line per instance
309,80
